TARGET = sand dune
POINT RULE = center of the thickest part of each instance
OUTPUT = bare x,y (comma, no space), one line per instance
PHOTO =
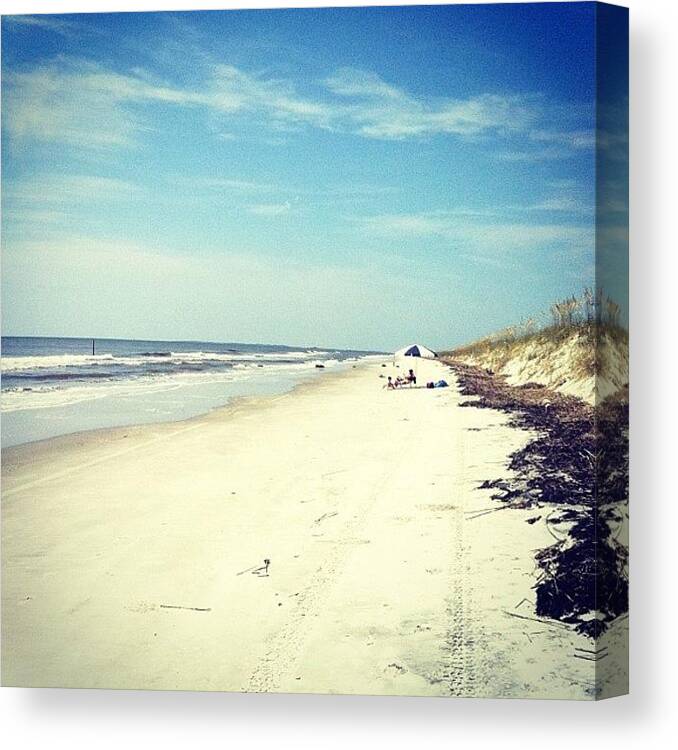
130,556
586,364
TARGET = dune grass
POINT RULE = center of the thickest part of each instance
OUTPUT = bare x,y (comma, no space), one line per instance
584,321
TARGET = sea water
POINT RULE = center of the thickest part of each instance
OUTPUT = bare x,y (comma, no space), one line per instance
56,386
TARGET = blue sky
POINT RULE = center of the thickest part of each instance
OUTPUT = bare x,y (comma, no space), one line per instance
343,177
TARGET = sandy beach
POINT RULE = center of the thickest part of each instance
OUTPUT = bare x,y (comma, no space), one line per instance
130,556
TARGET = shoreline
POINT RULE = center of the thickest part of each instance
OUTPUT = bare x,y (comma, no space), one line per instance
138,436
232,403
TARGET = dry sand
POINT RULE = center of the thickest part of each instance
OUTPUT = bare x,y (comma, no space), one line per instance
123,552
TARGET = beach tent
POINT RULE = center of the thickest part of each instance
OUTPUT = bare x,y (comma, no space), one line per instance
416,350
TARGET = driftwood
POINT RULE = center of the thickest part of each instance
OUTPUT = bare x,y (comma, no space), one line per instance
551,623
178,606
590,658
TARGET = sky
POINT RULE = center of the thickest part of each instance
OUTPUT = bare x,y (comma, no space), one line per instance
356,178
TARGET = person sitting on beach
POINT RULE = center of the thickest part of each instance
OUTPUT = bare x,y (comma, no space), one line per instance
411,378
390,384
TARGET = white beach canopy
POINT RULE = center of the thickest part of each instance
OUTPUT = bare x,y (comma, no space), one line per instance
416,350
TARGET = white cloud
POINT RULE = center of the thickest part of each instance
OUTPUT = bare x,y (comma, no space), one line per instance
231,89
361,83
533,155
578,139
33,217
81,103
49,23
465,232
551,144
49,105
269,209
85,104
68,188
563,203
566,196
384,111
224,184
409,224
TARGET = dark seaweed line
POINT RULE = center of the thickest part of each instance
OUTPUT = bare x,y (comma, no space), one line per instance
577,467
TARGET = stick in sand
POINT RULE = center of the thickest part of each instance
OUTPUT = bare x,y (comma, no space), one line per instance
257,570
178,606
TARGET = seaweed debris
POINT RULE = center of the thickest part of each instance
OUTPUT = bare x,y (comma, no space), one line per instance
577,465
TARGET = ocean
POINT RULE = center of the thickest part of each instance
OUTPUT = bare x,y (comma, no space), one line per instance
56,386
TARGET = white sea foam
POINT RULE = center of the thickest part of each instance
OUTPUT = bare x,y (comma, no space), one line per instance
15,364
49,396
12,364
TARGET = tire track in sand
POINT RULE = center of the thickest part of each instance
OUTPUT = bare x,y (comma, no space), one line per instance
459,671
464,655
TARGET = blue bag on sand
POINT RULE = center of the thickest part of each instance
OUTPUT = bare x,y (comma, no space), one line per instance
441,384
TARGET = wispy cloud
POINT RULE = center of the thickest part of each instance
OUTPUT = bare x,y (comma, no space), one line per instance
224,184
86,104
48,23
32,218
479,233
565,196
232,89
380,110
68,189
269,209
82,104
565,203
417,225
578,139
325,194
533,155
542,144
